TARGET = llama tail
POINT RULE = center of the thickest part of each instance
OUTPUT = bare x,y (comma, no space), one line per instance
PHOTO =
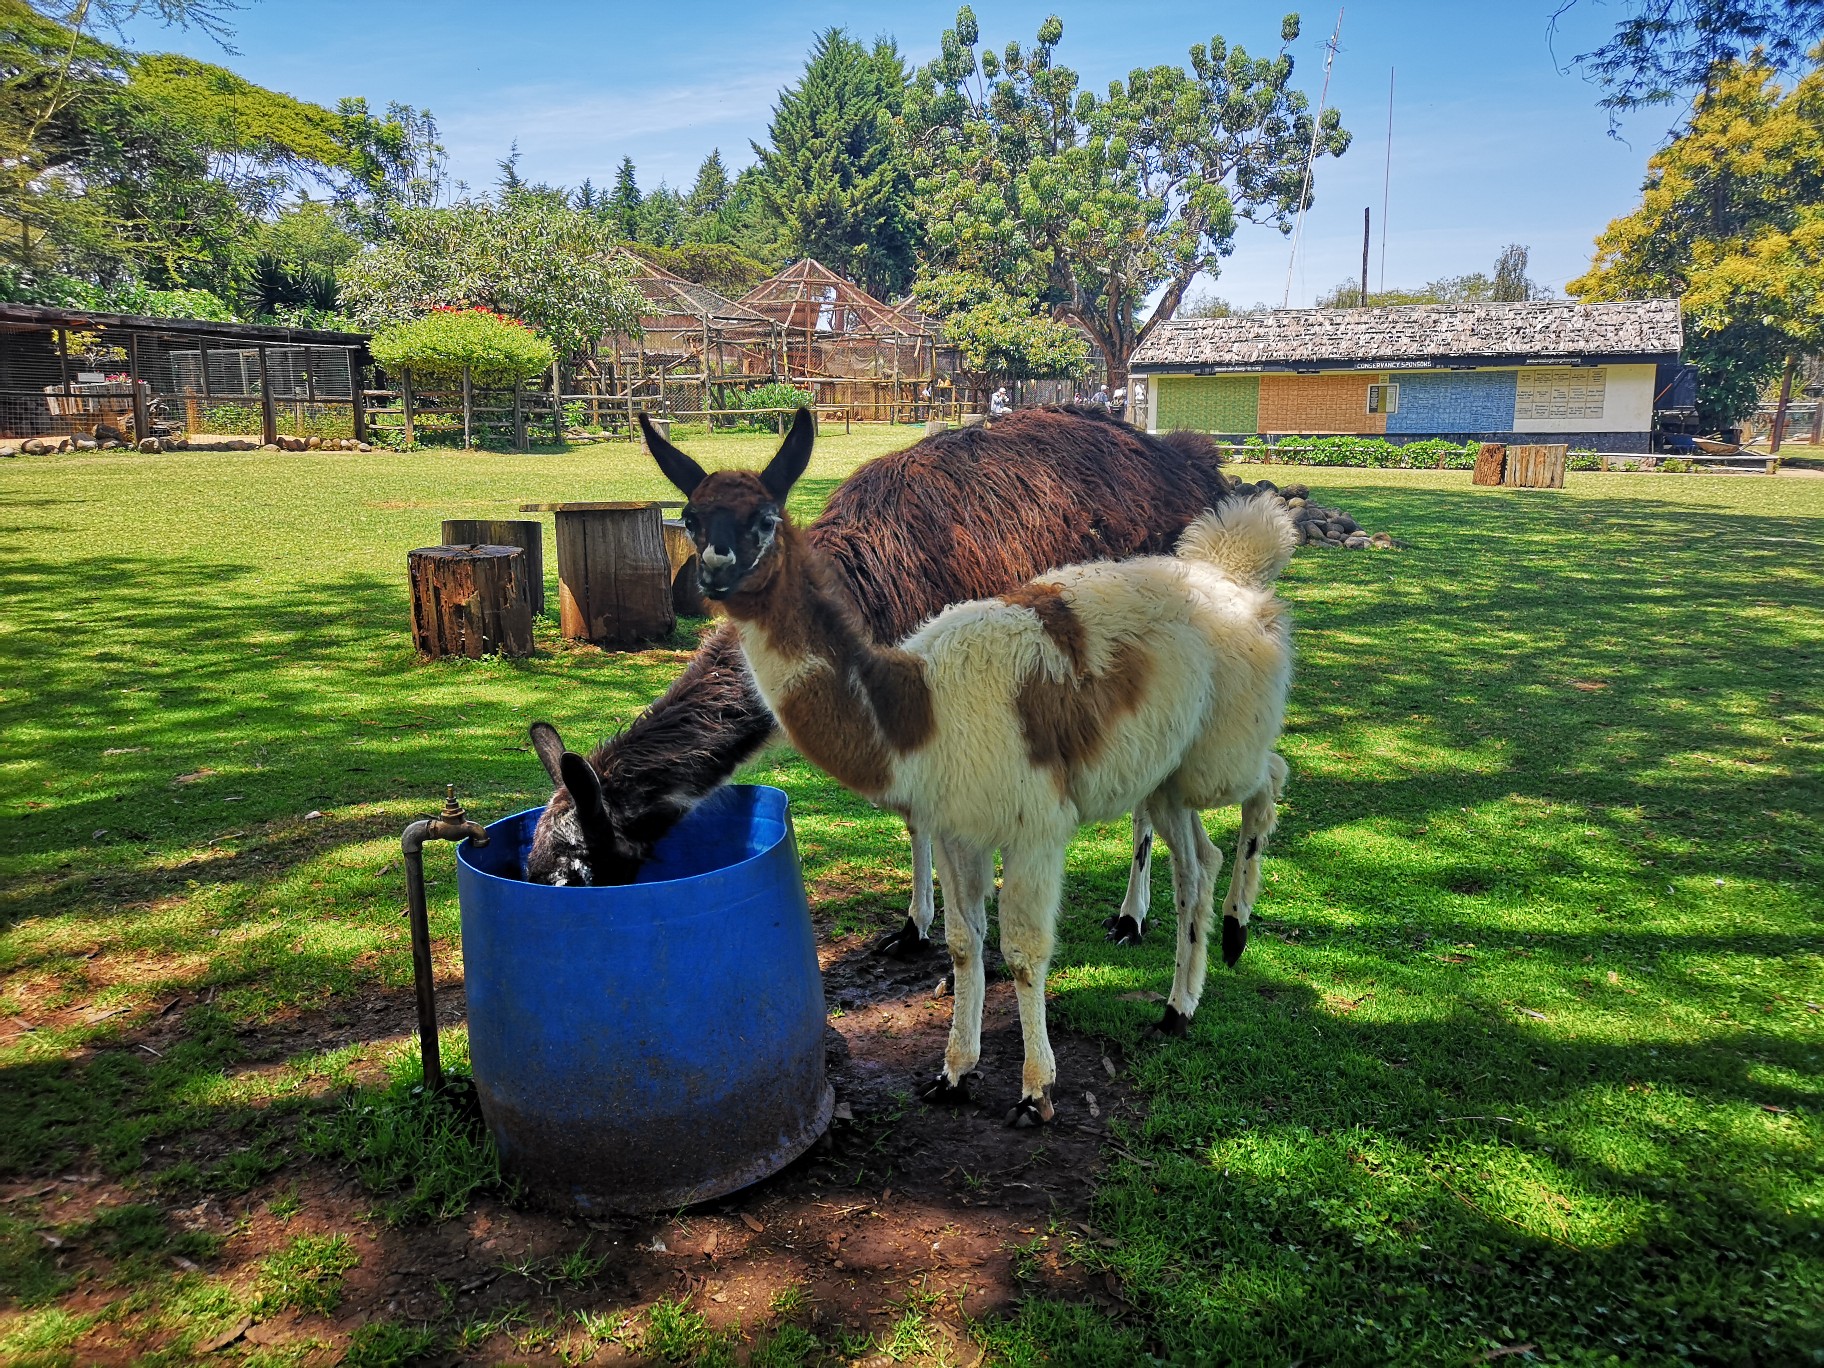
1250,540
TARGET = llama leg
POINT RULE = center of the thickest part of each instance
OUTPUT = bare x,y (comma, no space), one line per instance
1195,861
914,938
1259,815
1032,878
967,876
1128,925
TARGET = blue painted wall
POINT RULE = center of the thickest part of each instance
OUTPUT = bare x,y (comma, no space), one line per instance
1455,401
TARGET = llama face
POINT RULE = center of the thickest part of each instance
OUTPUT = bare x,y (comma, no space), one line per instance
734,515
734,522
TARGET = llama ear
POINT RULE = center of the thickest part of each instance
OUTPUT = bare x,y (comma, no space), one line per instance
586,792
783,470
549,747
683,472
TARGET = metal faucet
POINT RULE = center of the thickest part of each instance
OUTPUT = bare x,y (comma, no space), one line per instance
452,824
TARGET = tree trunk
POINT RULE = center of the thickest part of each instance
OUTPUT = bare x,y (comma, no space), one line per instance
528,534
1491,464
1779,413
470,601
613,575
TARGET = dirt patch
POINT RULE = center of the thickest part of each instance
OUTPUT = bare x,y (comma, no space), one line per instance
901,1204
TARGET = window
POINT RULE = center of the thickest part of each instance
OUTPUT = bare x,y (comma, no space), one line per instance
1383,398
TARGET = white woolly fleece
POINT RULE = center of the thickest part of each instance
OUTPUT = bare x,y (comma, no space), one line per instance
1250,540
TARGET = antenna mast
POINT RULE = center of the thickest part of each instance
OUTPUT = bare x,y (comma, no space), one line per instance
1317,125
1386,179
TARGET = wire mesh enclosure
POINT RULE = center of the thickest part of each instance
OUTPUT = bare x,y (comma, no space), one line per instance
114,377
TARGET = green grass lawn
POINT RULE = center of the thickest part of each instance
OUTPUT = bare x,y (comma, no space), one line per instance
1528,1048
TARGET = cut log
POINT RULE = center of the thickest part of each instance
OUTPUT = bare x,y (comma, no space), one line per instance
528,534
470,601
681,552
1491,463
1535,467
613,575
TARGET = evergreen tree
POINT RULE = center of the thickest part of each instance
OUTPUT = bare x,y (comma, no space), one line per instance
587,198
660,220
623,202
710,193
837,175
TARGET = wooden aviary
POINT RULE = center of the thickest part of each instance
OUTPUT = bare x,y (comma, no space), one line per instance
470,601
528,534
681,551
1535,467
1491,463
613,574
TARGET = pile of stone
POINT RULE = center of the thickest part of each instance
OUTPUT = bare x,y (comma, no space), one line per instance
109,441
1313,523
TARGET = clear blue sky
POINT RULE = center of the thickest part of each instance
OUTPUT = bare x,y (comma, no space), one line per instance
1492,143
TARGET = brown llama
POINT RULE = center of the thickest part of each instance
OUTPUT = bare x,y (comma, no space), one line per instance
960,515
1002,724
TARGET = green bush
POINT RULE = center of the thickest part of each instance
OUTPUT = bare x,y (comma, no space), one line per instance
497,350
777,397
1433,453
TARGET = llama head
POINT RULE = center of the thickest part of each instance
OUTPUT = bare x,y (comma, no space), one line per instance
734,515
575,843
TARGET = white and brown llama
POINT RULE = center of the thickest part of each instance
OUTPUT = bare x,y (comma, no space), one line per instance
1157,685
960,515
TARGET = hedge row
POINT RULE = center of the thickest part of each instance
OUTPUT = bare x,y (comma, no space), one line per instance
1433,453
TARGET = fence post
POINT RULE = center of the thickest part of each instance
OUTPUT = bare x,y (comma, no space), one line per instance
405,399
358,403
140,429
519,415
269,416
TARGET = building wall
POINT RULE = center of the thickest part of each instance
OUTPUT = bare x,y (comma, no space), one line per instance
1310,404
1454,401
1609,407
1209,403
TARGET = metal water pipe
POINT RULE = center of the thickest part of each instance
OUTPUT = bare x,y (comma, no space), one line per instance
452,824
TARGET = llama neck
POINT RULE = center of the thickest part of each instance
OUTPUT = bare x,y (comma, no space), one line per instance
849,705
686,744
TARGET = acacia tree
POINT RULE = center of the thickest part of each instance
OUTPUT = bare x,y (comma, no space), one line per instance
1732,220
1094,203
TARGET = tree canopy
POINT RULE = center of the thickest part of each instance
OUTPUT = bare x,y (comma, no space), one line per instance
1732,220
836,176
1095,202
552,266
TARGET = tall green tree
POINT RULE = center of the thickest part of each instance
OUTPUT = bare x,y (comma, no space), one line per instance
623,202
836,173
1731,220
998,337
1097,203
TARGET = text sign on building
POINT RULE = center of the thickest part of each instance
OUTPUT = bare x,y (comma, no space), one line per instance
1560,392
1425,364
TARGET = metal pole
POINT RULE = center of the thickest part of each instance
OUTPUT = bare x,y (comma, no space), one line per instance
451,824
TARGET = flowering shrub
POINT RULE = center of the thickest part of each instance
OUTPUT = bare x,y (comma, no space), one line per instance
497,350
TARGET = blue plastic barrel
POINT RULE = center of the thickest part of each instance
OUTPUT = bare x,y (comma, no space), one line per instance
644,1047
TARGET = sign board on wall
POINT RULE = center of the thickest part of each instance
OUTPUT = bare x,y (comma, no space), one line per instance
1559,393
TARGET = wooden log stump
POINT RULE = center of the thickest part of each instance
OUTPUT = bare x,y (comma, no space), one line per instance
613,575
470,601
1491,463
681,552
934,426
528,534
1539,466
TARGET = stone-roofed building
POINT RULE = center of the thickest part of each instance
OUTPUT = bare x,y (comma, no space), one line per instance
1542,370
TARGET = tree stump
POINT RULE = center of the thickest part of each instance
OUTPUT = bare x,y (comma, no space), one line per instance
613,575
528,534
1491,463
1535,467
470,601
662,426
933,426
681,551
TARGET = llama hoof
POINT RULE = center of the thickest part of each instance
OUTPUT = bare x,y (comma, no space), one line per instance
1029,1112
1124,930
1234,940
1174,1023
941,1092
905,943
